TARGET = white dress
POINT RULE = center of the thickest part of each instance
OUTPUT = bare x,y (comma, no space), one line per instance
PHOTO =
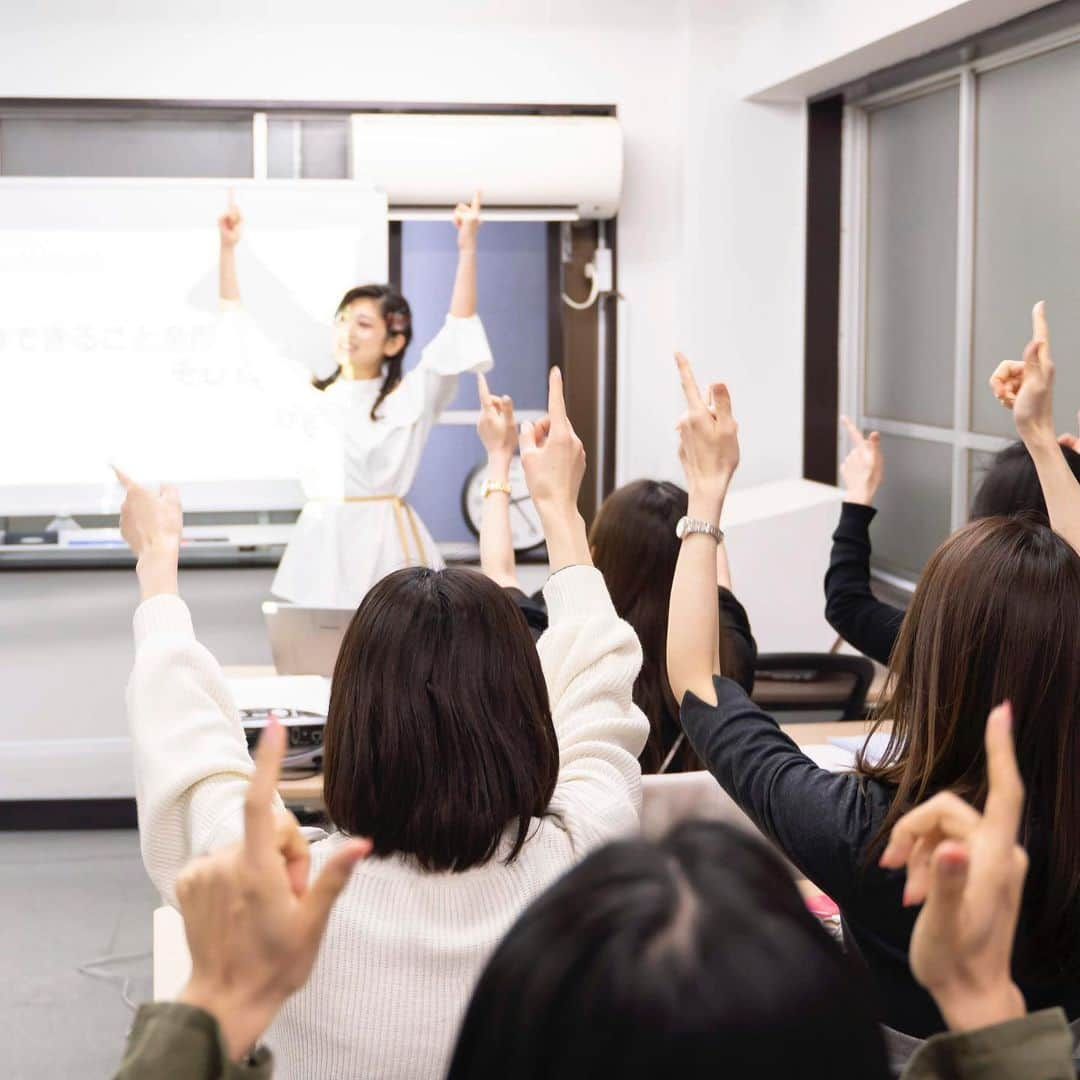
356,527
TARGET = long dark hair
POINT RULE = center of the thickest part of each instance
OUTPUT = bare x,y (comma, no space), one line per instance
635,548
995,617
694,957
395,312
1011,484
439,739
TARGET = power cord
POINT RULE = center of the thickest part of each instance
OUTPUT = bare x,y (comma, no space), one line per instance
115,977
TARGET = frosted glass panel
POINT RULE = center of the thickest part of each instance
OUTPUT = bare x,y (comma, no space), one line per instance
144,146
308,148
1027,228
911,259
913,504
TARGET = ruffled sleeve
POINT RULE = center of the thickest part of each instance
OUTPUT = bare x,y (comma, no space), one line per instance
460,346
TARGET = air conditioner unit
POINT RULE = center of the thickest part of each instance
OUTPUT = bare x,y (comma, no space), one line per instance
555,166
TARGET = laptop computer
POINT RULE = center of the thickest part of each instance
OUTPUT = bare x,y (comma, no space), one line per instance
305,640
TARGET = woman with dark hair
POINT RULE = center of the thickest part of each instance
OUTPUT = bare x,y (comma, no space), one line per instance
1010,486
634,545
357,525
695,957
993,619
478,766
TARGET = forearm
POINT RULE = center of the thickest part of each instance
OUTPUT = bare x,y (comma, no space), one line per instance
157,571
693,641
191,760
566,537
463,299
228,282
723,567
1060,488
496,540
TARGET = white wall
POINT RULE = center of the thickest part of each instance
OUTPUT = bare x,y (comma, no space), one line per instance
624,52
711,232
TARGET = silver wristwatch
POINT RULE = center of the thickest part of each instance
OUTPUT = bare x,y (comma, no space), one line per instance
687,525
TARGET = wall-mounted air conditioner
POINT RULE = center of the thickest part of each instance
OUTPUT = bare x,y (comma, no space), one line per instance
549,166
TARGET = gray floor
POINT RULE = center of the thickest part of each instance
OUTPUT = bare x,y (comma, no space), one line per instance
66,899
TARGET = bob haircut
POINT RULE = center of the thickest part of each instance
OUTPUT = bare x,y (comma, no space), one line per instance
1011,485
692,957
439,735
994,618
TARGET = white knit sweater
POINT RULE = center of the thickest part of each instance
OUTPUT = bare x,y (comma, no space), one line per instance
404,946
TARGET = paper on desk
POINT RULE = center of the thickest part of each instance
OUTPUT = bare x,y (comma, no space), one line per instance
875,745
308,692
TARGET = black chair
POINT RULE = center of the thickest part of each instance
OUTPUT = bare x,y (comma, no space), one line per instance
813,682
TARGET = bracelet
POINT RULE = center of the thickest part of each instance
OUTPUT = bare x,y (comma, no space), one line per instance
491,486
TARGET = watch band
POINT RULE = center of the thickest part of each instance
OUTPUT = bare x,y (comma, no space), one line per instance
688,525
491,486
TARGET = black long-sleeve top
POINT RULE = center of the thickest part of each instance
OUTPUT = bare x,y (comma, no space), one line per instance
825,823
852,610
734,623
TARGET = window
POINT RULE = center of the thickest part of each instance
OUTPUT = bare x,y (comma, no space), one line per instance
959,214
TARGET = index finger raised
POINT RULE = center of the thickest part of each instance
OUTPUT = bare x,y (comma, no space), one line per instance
1005,800
689,383
123,477
259,801
556,399
482,388
1040,328
854,433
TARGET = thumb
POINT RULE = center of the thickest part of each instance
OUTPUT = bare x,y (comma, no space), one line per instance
321,897
720,398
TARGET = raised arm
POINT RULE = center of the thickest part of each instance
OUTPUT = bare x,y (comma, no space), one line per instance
851,608
467,223
1026,386
230,225
709,452
498,433
191,762
590,657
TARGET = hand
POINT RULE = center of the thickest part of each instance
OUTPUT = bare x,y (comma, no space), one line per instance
150,522
230,225
253,925
708,437
467,223
1026,386
1071,442
864,468
496,427
969,870
552,455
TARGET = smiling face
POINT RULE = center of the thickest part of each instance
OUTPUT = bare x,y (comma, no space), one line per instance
362,341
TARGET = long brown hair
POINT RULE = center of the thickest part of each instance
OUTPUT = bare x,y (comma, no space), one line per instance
635,548
996,617
394,310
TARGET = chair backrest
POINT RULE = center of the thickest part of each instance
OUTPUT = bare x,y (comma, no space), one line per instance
813,682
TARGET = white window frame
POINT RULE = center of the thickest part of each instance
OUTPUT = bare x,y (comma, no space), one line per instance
854,211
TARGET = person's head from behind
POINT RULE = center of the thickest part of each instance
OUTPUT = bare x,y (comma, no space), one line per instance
635,547
995,618
1011,485
439,738
372,330
689,957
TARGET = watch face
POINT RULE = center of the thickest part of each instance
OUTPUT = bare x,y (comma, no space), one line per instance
525,529
680,528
